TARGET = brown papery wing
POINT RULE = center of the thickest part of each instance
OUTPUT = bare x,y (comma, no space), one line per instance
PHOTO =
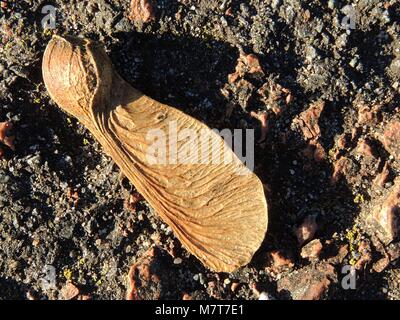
217,209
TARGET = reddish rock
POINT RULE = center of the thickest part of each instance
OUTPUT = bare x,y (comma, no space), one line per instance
5,137
392,253
312,250
72,196
69,291
30,295
393,250
307,121
187,296
338,168
381,264
306,230
132,201
253,63
314,151
289,98
364,250
234,286
263,118
241,89
386,215
278,262
364,148
141,269
229,12
367,114
308,152
345,167
232,77
391,138
355,133
275,96
246,64
336,155
307,124
153,276
141,11
309,283
342,142
319,151
383,177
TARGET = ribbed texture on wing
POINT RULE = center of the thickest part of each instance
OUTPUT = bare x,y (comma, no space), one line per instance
216,211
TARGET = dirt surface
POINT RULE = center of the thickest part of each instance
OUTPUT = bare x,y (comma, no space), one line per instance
324,102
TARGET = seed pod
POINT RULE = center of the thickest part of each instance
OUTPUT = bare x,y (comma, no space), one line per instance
216,207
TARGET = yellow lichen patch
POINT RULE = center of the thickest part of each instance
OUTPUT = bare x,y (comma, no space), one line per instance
47,33
67,274
353,237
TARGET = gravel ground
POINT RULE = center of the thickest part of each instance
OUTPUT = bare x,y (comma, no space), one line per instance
325,97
